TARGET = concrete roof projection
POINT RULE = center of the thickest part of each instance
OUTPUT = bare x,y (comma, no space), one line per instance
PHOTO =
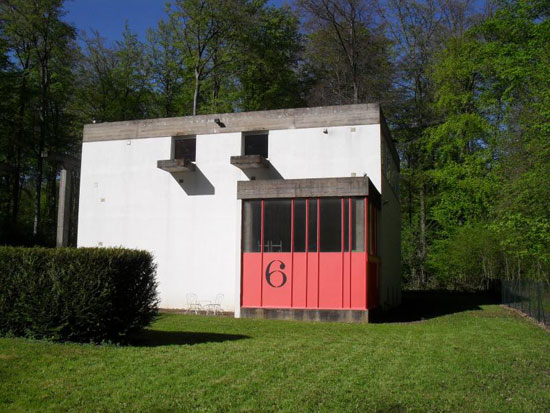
326,116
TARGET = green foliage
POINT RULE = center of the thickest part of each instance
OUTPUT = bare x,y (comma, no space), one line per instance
479,162
521,62
269,55
131,74
469,258
494,142
37,87
523,220
466,93
348,54
80,294
205,57
439,159
114,82
167,69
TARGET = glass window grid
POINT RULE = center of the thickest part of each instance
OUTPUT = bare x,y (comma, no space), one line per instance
307,239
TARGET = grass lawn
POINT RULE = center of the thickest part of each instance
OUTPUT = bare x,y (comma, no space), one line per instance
486,358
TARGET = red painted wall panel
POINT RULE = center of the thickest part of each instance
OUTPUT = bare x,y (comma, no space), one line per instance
312,280
300,289
358,281
277,273
346,296
251,280
330,280
299,280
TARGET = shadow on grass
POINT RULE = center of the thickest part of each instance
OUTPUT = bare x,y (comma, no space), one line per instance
157,338
423,305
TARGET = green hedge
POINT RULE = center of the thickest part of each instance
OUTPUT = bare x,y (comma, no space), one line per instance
84,294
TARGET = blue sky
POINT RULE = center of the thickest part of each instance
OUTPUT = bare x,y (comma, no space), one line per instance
109,16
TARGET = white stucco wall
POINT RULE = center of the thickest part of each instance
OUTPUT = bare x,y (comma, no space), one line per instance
193,228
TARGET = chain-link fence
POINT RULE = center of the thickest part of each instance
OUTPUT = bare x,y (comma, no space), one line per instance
530,297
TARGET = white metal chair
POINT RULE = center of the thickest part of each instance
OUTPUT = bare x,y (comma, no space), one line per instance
193,303
215,306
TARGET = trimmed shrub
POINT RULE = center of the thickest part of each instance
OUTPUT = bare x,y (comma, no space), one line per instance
76,294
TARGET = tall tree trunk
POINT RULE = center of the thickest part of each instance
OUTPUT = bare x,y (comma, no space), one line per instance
38,196
52,194
167,99
41,144
409,201
423,241
16,187
215,94
16,183
197,91
216,84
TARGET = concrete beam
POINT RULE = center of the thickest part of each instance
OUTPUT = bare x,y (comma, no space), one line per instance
66,161
245,162
306,188
343,316
64,208
176,165
326,116
67,164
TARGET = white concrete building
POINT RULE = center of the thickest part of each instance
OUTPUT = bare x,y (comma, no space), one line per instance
287,213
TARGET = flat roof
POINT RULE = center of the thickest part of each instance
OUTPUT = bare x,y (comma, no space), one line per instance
264,120
308,188
323,116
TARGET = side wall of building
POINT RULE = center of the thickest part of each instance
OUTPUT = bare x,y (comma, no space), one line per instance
390,225
390,248
192,222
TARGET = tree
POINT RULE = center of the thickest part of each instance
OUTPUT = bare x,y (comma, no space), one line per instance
10,137
493,145
115,82
207,32
268,63
132,75
233,54
97,91
348,52
167,68
43,47
420,31
516,92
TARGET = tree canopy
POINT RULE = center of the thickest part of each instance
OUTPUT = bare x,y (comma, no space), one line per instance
465,87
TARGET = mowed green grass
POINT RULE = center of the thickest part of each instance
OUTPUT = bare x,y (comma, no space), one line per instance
484,360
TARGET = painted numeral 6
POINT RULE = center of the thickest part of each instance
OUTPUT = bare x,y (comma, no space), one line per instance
269,273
